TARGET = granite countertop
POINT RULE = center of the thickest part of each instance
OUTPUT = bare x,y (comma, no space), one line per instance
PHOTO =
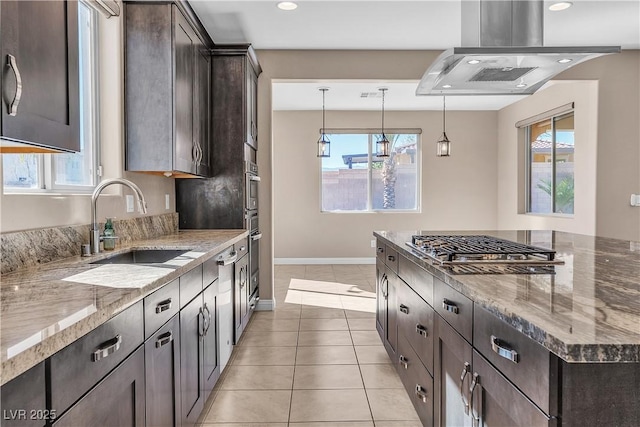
588,311
46,308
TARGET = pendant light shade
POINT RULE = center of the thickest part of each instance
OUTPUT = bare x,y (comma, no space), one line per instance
324,145
443,146
382,145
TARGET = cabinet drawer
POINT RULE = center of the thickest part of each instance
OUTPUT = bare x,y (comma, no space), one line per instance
417,381
381,250
190,285
161,306
417,278
25,393
415,322
79,366
533,367
454,307
391,259
209,271
241,248
495,401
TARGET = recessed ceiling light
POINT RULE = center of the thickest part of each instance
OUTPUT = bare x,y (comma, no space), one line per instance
560,5
287,5
446,86
521,85
565,60
473,62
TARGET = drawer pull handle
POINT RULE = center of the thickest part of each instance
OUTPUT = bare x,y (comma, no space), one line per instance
421,330
404,362
164,339
256,237
450,307
380,250
391,258
465,370
476,412
163,306
243,248
404,309
421,393
107,348
503,349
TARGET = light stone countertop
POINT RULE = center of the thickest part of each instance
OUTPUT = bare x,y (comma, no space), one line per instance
46,308
588,311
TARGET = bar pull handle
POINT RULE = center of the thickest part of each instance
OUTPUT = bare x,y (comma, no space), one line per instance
404,309
450,307
421,330
503,349
421,393
164,339
107,348
13,107
465,370
476,411
229,260
404,361
256,237
163,306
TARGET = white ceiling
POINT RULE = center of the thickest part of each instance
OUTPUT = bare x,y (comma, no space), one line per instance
395,25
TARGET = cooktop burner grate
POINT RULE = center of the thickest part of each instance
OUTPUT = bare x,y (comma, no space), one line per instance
501,269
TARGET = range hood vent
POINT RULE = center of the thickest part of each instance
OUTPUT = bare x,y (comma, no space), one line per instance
503,53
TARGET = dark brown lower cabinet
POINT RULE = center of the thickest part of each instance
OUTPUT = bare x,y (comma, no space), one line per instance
192,325
162,375
23,400
391,327
117,400
496,401
416,379
381,298
452,377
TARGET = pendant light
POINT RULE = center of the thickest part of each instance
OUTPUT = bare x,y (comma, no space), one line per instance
382,145
324,147
443,146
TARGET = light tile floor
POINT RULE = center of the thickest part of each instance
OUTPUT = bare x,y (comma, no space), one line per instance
315,361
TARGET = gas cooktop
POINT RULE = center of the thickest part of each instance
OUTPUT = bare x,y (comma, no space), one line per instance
480,254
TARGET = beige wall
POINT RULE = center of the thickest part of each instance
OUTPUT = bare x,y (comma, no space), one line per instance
613,106
20,212
457,192
511,158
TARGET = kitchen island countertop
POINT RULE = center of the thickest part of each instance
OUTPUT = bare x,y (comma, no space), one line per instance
46,308
588,311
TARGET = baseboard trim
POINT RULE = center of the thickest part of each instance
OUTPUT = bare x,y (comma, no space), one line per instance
265,305
287,261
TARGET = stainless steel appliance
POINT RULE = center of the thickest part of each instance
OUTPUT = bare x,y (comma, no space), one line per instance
252,180
225,263
254,256
481,254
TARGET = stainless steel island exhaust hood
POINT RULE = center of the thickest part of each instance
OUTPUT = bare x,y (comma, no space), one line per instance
503,52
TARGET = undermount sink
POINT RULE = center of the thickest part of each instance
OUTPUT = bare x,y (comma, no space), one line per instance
143,256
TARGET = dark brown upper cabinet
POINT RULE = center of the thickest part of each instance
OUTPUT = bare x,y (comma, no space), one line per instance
167,87
39,75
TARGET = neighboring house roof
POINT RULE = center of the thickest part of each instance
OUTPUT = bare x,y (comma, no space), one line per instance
539,146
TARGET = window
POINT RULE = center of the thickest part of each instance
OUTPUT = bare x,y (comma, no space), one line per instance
550,165
355,179
66,171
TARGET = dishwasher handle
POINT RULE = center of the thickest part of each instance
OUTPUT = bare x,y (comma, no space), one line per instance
233,257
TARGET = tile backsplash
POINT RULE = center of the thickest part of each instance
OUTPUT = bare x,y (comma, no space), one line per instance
30,248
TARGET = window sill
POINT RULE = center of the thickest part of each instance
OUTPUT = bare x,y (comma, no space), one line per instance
58,193
373,212
550,215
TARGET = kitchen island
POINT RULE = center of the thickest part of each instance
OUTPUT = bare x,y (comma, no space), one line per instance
561,348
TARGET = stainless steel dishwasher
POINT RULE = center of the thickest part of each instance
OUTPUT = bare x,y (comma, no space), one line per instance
226,262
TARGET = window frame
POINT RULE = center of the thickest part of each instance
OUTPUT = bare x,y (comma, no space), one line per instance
371,134
45,161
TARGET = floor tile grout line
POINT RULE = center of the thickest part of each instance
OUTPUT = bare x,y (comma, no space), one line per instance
295,362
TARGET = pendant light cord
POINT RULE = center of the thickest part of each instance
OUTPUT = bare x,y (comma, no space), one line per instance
383,90
323,91
444,114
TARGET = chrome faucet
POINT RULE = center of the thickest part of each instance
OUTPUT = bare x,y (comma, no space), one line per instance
94,233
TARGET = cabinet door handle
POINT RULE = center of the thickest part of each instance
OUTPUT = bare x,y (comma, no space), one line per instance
465,370
476,410
450,307
107,348
194,152
164,339
404,309
421,393
163,306
503,349
233,257
203,323
241,278
206,308
256,237
391,258
421,330
404,361
13,107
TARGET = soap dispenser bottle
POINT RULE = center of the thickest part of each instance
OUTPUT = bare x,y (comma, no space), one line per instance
109,236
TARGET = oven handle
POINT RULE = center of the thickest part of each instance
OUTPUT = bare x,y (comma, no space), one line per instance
257,236
254,178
